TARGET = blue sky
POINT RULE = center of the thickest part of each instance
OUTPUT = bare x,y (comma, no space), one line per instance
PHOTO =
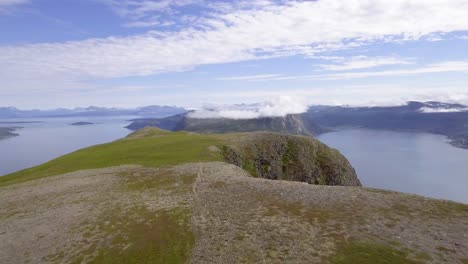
130,53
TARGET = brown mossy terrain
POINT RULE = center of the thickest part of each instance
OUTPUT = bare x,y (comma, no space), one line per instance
215,212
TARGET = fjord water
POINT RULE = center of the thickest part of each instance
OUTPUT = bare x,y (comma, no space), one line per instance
419,163
53,137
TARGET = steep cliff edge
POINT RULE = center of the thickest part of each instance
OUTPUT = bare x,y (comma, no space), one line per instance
292,158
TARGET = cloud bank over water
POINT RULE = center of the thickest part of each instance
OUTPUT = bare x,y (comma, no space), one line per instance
275,107
442,110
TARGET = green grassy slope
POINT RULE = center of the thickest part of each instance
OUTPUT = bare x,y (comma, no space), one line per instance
146,147
154,147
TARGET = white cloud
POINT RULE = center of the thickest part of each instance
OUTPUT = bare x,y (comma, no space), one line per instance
12,2
276,107
269,30
376,94
363,62
249,77
6,6
442,110
138,9
150,22
441,67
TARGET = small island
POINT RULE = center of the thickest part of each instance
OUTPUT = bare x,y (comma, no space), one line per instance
7,132
82,124
460,141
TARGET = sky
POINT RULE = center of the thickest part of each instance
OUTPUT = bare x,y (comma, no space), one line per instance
128,53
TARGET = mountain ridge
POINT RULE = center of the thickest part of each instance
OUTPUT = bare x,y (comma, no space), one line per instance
450,120
152,110
315,161
447,119
295,124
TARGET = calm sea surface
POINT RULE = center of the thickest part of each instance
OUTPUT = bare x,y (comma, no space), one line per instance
54,137
419,163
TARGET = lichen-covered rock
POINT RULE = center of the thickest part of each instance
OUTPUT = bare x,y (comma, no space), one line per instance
293,158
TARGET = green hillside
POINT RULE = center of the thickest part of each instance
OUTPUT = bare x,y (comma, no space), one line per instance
148,147
317,164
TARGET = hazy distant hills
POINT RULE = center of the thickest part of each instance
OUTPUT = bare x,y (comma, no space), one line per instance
433,117
153,111
296,124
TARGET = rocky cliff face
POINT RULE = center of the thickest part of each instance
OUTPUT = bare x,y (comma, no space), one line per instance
293,158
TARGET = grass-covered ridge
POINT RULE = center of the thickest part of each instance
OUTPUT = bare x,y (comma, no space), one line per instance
148,147
263,154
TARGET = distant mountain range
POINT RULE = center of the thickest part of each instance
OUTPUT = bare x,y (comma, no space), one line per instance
152,111
296,124
432,117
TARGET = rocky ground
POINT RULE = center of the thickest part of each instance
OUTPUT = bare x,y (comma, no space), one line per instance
216,213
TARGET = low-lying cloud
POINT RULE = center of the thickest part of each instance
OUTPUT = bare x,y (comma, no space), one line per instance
276,107
442,110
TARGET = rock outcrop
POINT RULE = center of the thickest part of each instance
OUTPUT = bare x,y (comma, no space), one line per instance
293,158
